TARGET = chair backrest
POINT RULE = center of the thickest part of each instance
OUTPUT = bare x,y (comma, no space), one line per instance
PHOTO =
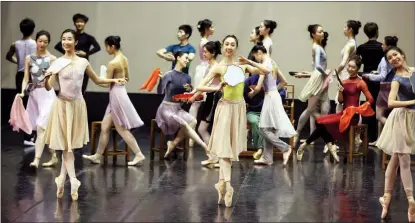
289,101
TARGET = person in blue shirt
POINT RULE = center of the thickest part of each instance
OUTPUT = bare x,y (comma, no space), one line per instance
253,108
183,35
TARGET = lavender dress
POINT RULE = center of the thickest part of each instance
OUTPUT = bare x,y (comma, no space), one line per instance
170,116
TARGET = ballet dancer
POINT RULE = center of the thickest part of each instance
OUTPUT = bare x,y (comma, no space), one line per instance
210,52
371,53
40,99
266,28
206,29
384,75
229,134
67,127
254,37
85,42
170,117
350,30
17,54
274,122
316,89
398,136
120,111
331,127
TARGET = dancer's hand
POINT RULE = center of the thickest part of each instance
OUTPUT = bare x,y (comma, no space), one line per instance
191,100
341,88
221,85
243,60
21,95
120,81
80,53
365,76
187,87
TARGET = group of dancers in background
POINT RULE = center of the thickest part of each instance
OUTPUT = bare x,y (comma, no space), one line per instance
61,121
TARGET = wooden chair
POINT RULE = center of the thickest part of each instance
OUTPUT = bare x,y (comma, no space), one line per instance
95,127
361,130
161,149
289,108
386,159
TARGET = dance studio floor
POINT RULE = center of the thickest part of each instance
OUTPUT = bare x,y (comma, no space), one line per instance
178,191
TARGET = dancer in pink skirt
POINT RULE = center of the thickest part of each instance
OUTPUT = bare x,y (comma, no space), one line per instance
170,116
40,99
67,127
398,135
120,111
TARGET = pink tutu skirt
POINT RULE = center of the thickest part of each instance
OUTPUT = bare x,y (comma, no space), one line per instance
170,117
122,110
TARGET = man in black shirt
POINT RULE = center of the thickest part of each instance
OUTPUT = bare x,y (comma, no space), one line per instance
371,53
85,41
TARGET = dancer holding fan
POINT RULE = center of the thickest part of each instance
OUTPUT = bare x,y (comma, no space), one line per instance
398,136
120,111
274,122
67,127
170,116
229,135
335,126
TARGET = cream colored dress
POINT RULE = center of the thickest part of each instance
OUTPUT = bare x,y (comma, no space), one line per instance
67,127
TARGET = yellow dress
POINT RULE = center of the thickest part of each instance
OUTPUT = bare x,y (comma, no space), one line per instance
229,135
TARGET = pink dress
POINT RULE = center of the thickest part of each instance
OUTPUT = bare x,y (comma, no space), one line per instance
67,127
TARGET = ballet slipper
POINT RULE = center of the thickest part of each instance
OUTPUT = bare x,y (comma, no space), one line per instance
257,155
96,158
286,156
170,148
228,195
333,151
261,161
212,159
52,162
75,184
411,209
300,151
35,163
385,202
137,159
60,183
220,187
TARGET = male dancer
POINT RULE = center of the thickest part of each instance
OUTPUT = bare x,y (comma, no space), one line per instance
371,53
183,35
17,55
85,41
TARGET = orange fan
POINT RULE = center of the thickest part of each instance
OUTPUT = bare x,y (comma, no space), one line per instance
151,81
185,97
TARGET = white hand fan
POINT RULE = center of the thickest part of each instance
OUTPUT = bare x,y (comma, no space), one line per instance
234,75
103,71
59,64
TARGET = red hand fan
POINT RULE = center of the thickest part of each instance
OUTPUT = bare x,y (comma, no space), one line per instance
185,97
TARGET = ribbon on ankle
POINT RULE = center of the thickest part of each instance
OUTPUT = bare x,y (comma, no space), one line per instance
364,110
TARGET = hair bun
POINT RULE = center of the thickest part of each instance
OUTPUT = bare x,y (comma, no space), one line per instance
117,38
259,43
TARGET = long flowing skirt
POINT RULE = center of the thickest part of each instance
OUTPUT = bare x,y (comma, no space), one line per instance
383,95
39,106
122,110
314,87
170,117
229,135
398,134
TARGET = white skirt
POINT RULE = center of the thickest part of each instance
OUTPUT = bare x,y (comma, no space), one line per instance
39,106
273,115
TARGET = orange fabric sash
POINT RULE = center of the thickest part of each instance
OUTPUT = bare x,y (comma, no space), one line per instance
364,110
151,81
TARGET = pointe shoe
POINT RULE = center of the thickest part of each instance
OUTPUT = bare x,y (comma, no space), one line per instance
411,209
220,187
52,162
35,163
300,151
137,159
385,202
170,148
262,162
257,155
333,151
326,149
212,160
228,196
75,184
286,156
60,183
96,158
216,165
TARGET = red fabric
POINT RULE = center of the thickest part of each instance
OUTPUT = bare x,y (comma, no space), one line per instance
151,81
19,118
187,97
364,110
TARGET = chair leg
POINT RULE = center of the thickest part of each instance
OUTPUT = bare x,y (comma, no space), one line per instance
365,143
93,142
384,159
152,139
186,148
127,156
351,144
162,143
114,146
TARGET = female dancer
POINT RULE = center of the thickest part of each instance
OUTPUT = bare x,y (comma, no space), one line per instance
385,77
254,37
120,111
40,99
398,136
170,116
206,29
316,89
228,137
67,127
334,126
351,29
210,52
274,122
265,30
